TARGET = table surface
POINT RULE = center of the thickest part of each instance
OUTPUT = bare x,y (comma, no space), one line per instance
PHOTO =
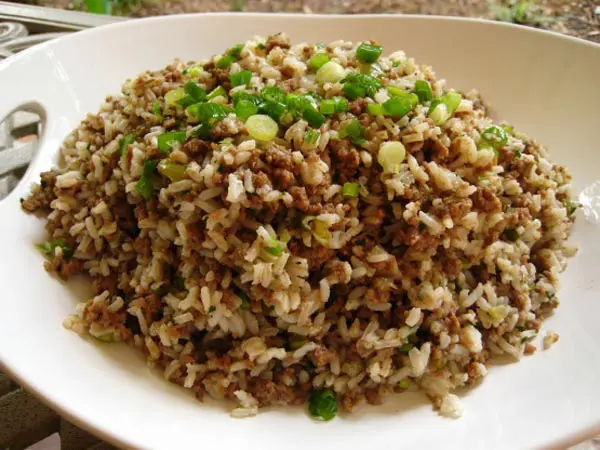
27,423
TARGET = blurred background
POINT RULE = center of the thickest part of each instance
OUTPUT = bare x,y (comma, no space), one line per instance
25,423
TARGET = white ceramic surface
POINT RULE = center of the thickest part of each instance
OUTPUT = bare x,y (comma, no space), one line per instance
547,85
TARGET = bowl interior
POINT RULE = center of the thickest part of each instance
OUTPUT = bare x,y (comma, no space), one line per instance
544,84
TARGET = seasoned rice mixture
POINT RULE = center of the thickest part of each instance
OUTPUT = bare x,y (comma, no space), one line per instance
285,223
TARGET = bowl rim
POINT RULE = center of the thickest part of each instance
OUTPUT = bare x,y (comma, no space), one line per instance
64,410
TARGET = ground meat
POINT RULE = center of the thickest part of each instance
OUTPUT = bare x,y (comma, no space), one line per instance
196,147
323,356
268,392
280,157
377,296
224,128
284,179
357,106
64,268
143,246
350,400
277,40
220,75
170,123
260,179
41,197
102,284
346,158
440,150
290,85
485,199
373,397
301,201
317,256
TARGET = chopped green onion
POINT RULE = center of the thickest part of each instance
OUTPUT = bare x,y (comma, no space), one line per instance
438,112
405,348
370,69
404,383
194,71
273,109
442,108
351,190
186,101
156,109
322,405
318,60
241,78
236,51
105,338
494,136
311,137
171,170
49,247
452,101
368,53
360,85
376,109
571,207
341,104
399,106
179,283
296,341
174,95
273,94
145,186
327,107
125,142
354,91
261,127
245,300
321,231
219,91
391,154
307,221
243,95
353,130
166,140
202,131
195,91
275,250
313,117
208,112
224,62
511,234
285,236
245,109
396,91
423,91
330,72
297,104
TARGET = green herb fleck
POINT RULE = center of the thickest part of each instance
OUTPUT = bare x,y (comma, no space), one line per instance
48,248
125,142
322,405
145,184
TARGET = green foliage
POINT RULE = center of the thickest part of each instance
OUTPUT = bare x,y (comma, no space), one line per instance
237,5
522,12
110,7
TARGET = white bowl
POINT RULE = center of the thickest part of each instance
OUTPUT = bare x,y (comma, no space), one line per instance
546,84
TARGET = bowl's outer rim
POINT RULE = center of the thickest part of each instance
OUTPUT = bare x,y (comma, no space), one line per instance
122,441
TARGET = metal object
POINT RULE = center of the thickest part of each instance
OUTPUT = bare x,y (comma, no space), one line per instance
26,26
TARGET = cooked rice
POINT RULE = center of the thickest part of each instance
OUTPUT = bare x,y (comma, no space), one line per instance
420,279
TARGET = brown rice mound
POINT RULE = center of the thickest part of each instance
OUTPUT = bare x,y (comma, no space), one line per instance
265,271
